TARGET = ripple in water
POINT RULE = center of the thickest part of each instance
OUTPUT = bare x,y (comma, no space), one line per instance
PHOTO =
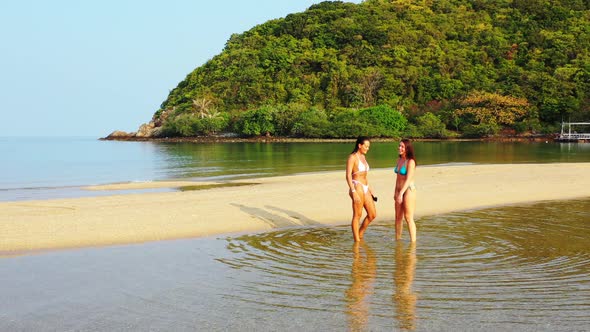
518,267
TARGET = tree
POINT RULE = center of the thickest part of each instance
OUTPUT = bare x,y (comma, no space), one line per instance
202,107
371,82
484,107
256,122
431,126
383,120
311,123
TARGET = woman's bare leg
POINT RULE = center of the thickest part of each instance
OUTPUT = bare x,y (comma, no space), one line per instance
371,213
409,208
357,211
399,217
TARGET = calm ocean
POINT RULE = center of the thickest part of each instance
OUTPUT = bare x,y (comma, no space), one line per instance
512,268
59,167
508,268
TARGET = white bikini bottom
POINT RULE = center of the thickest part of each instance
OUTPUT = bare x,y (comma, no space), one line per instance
365,186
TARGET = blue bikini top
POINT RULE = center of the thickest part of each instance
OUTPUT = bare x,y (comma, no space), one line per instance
403,170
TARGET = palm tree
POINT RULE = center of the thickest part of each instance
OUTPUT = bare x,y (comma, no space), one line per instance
202,107
213,113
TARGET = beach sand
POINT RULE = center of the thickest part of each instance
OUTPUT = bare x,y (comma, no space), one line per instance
263,204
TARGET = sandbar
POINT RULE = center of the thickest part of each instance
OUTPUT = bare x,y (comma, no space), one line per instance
263,204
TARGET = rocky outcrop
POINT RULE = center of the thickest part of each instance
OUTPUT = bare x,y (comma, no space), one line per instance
148,130
119,134
153,129
145,131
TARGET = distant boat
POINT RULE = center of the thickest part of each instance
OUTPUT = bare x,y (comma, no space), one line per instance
575,136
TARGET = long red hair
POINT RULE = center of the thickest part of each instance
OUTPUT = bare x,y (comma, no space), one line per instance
409,150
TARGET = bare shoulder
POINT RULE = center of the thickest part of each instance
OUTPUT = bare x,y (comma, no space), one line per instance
412,163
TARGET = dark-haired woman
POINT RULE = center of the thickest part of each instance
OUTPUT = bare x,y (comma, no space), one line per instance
357,169
405,190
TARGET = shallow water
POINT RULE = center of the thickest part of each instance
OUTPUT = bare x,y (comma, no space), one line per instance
504,268
523,268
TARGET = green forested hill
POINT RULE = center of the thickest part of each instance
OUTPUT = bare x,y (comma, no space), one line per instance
418,68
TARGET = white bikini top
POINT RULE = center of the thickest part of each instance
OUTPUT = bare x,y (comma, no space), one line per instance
362,166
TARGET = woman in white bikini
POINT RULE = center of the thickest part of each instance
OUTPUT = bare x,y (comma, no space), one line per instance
405,190
359,190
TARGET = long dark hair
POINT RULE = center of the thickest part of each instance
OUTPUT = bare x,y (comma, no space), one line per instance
409,150
359,140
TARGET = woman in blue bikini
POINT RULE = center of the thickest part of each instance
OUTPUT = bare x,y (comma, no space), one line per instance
405,190
359,190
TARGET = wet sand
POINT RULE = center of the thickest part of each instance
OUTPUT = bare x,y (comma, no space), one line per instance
270,203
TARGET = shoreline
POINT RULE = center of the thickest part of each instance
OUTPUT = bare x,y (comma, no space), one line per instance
280,139
263,204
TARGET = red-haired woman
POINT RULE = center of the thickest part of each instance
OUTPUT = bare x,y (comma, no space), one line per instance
405,190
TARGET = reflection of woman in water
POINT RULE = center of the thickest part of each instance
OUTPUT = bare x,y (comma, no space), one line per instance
405,190
403,276
359,190
363,273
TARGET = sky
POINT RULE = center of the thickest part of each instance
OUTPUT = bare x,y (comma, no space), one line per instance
87,68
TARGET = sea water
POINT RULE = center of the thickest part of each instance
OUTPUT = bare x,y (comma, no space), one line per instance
56,167
514,268
524,268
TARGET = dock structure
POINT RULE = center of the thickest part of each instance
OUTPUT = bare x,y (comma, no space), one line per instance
567,135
